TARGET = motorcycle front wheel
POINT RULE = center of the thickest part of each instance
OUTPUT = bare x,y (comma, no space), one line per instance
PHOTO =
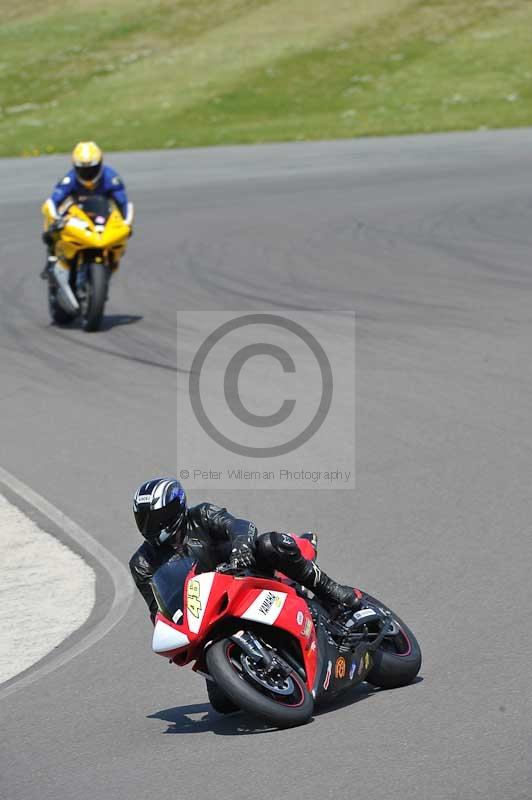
93,302
218,700
283,701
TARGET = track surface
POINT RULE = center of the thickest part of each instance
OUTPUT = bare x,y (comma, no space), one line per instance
429,239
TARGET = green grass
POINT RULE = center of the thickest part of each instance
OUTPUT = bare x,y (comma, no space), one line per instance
134,74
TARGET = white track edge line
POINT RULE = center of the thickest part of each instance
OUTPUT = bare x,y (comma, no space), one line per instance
122,582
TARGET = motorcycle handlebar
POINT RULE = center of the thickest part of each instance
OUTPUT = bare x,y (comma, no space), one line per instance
228,569
225,567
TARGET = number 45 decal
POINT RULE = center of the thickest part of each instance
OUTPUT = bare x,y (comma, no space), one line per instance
193,598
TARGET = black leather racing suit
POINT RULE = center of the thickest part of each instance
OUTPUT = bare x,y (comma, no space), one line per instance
210,535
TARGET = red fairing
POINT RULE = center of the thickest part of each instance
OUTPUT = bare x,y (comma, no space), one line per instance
277,604
305,633
306,547
210,596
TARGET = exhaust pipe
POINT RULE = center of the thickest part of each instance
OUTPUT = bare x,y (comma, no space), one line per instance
66,297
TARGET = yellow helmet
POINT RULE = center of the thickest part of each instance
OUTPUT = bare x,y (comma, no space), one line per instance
87,159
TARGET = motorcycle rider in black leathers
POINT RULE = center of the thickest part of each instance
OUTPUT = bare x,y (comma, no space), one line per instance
212,536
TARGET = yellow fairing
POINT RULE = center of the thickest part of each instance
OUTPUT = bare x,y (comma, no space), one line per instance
81,233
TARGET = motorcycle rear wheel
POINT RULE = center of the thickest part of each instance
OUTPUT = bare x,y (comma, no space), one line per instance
224,660
398,660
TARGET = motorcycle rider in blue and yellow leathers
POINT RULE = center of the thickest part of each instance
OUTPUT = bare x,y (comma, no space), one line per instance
89,175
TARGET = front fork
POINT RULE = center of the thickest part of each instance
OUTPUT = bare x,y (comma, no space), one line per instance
264,657
253,648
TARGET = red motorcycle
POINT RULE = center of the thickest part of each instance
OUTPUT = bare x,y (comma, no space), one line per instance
265,646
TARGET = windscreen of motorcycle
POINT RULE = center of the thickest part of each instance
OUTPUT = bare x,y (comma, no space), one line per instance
96,206
168,586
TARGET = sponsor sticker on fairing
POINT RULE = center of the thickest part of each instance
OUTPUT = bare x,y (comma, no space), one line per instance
266,607
352,670
193,598
270,600
339,668
299,618
363,613
365,663
198,592
307,628
327,680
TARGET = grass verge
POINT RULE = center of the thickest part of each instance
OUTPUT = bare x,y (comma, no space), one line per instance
136,75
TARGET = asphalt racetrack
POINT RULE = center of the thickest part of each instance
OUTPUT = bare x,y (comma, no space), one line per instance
429,240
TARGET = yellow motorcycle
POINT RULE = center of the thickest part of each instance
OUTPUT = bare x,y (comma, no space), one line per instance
87,242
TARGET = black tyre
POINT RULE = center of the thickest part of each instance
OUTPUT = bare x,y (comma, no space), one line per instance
218,700
398,659
96,295
233,672
58,315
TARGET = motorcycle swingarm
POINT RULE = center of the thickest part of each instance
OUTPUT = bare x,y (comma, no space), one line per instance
352,638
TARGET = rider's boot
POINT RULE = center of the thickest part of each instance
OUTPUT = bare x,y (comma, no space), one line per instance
282,553
326,590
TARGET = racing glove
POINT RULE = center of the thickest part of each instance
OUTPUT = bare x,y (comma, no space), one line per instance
54,227
58,224
242,556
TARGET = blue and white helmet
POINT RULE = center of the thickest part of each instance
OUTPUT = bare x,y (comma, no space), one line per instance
160,507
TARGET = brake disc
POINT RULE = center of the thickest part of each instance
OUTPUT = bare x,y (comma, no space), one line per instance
280,685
